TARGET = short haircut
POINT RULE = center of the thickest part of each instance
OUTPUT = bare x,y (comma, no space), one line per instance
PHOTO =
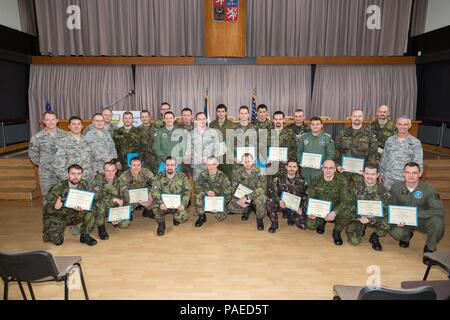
292,160
186,109
164,103
170,158
107,108
74,166
199,113
96,114
316,119
74,118
135,159
221,106
357,109
262,106
405,118
50,113
127,112
411,164
243,107
245,155
144,111
109,163
299,110
371,166
169,112
212,158
278,112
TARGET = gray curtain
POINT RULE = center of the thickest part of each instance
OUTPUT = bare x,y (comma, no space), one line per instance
419,17
279,87
339,89
77,90
122,27
27,16
325,28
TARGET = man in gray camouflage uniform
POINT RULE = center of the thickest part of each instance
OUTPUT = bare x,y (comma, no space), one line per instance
109,126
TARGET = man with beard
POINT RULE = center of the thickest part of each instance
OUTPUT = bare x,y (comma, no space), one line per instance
127,140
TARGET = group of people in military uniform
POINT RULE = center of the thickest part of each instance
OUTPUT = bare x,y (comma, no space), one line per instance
196,160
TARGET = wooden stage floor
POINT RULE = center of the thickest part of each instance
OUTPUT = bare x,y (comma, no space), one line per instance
228,260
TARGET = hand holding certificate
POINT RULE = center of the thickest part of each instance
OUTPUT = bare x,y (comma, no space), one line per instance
354,165
318,208
172,201
278,154
119,214
292,201
214,204
79,199
311,160
138,195
368,208
403,215
242,191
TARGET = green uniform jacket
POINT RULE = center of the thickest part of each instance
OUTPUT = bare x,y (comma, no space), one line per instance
253,180
228,124
383,133
357,143
127,141
179,184
286,139
267,124
321,144
220,185
61,189
144,179
360,191
163,144
299,130
335,191
105,191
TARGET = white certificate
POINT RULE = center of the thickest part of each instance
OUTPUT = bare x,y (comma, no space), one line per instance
354,165
138,195
214,204
242,191
292,201
172,201
403,215
79,198
370,208
119,214
240,151
311,160
278,154
318,208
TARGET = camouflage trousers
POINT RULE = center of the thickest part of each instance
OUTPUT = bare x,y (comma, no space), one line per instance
273,208
356,230
47,178
180,216
199,209
313,224
434,227
341,221
259,203
151,162
126,223
55,224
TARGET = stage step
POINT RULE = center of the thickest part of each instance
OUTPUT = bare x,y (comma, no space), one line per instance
437,174
18,180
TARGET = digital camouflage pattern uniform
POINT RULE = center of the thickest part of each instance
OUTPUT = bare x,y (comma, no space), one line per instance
56,221
73,150
299,130
335,191
222,127
382,133
109,128
159,123
103,146
255,181
127,141
181,125
179,184
239,131
266,124
42,151
217,183
355,230
431,212
147,135
144,179
321,144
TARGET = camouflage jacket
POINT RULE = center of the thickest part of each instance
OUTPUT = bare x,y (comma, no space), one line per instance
267,124
382,133
360,191
188,127
286,139
144,179
202,144
299,130
228,124
110,128
61,189
146,136
179,184
335,191
103,146
42,147
253,180
219,184
163,144
297,186
127,141
105,191
356,143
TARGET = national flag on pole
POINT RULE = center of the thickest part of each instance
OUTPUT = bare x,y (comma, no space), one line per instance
48,107
254,107
206,110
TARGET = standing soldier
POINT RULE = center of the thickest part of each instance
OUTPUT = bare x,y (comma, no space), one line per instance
57,217
147,133
109,126
186,120
330,186
316,142
382,128
127,140
242,138
290,182
43,148
263,120
74,149
163,108
413,192
172,183
101,143
299,127
282,135
212,183
248,175
399,150
370,190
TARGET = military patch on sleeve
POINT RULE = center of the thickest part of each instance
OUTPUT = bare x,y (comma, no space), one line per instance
322,143
305,142
418,194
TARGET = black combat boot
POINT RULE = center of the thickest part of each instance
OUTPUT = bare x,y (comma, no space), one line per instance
102,232
300,222
405,243
175,222
245,215
375,241
321,228
201,220
59,242
260,224
146,213
273,227
161,228
290,220
337,238
86,238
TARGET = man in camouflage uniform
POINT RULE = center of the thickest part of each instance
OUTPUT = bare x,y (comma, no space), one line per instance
212,183
357,142
299,127
281,135
330,186
101,143
317,142
109,193
108,127
170,182
382,128
163,108
186,121
290,182
56,217
127,140
74,149
263,120
137,177
399,150
147,132
368,189
415,193
222,123
245,135
249,176
42,150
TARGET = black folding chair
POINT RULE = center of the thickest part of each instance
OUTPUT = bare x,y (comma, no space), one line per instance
438,258
35,267
382,293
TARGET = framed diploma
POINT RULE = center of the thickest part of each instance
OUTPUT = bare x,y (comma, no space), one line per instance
214,204
311,160
79,198
138,195
172,201
131,156
369,208
242,191
403,215
318,208
119,214
278,154
354,165
240,151
292,201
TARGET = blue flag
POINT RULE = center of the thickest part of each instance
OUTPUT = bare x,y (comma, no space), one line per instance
206,111
48,107
254,107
